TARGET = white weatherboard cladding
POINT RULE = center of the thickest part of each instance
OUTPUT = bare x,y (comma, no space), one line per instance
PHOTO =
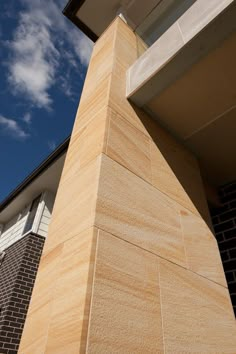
46,214
13,230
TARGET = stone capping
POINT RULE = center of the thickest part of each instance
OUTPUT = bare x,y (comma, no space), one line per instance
200,29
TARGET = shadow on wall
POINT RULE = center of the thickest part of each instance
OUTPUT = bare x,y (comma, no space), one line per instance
176,172
172,162
224,222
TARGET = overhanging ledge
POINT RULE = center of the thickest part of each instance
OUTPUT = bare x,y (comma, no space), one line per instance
189,39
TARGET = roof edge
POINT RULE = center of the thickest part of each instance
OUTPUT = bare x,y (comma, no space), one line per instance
36,172
70,11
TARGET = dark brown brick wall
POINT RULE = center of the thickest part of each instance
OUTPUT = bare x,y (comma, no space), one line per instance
17,276
224,222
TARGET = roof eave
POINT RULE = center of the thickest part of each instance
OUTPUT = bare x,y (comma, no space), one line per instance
70,12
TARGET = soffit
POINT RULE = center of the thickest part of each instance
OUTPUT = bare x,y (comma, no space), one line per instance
200,108
97,15
216,148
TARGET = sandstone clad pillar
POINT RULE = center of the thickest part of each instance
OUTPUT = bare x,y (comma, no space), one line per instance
130,264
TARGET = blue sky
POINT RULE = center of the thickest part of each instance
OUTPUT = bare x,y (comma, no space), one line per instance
43,59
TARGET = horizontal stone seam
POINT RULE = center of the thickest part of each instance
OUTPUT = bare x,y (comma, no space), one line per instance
104,151
47,251
158,256
169,197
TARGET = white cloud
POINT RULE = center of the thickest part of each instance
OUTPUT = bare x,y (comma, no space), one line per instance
12,127
81,44
66,86
42,42
35,58
71,59
27,118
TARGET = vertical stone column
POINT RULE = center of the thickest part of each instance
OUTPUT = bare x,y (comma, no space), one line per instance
129,265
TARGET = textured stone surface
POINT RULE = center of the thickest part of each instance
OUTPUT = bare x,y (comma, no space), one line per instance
125,310
58,317
197,314
129,146
39,315
77,204
134,210
201,248
71,303
100,288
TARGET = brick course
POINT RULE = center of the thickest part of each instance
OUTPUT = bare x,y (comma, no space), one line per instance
17,276
224,222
